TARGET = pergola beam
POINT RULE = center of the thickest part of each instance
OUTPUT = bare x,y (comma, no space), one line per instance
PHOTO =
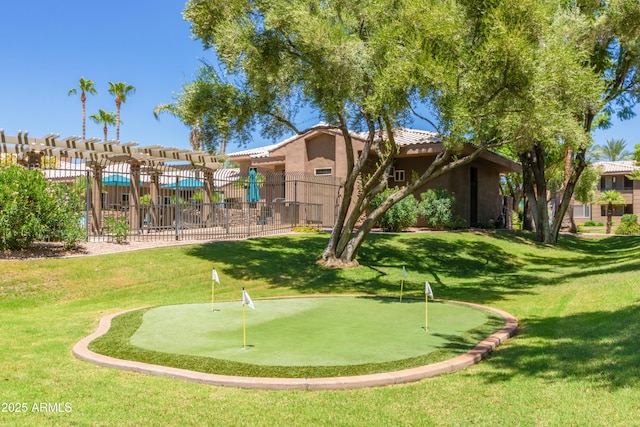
94,149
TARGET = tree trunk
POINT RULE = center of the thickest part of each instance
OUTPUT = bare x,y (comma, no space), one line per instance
567,195
344,243
568,169
535,187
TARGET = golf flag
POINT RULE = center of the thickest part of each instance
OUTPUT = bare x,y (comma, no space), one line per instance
214,278
246,300
404,276
427,289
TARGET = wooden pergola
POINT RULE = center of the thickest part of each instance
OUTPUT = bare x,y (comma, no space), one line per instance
95,154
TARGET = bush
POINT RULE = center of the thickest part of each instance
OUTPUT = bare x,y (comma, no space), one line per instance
117,227
33,209
590,223
436,208
628,225
306,229
400,216
516,220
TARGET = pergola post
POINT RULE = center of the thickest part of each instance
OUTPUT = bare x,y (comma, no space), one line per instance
31,160
134,197
96,200
207,204
154,195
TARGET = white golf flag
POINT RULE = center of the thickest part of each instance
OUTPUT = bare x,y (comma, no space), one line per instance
214,276
427,289
246,300
404,272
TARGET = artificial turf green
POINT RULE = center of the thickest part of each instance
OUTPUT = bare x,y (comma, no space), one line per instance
366,335
306,331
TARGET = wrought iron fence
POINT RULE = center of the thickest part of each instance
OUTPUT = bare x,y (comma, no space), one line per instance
182,202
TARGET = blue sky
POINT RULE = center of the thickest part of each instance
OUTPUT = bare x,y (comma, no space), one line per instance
46,46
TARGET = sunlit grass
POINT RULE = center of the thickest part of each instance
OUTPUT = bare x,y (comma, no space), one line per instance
574,361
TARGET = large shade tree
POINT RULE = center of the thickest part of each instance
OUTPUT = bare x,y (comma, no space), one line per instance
610,32
85,87
369,66
120,90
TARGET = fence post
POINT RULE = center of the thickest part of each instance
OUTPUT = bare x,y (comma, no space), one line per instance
177,207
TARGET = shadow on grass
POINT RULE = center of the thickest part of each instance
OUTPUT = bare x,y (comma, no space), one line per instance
464,266
598,347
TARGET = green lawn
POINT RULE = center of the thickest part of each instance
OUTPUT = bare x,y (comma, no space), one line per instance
575,360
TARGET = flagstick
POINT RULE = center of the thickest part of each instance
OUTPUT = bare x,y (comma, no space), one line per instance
212,294
244,328
401,287
426,312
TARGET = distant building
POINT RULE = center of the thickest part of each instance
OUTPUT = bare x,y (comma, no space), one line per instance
613,176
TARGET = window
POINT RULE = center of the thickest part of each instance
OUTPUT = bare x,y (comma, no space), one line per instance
581,211
125,198
618,210
398,175
607,183
323,171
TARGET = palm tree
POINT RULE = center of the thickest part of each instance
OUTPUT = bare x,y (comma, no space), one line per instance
610,198
120,90
105,119
613,151
86,86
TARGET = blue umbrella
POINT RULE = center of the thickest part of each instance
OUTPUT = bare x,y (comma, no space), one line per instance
185,184
253,192
116,180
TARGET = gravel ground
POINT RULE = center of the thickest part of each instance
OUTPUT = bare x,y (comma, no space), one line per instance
56,250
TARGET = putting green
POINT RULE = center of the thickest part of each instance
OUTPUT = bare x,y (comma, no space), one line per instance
326,331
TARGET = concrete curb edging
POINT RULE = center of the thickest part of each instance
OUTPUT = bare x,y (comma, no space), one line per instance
82,352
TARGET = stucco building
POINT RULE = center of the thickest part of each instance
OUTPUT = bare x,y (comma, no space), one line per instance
321,153
613,176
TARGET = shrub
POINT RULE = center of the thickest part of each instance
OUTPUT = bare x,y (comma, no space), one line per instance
33,209
117,227
628,225
436,208
306,229
398,217
516,220
589,223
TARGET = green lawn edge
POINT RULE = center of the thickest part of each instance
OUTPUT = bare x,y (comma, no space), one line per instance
116,343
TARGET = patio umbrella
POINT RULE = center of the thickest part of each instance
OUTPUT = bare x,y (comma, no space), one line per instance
253,192
116,180
185,184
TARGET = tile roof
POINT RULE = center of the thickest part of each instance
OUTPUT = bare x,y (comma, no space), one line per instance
256,152
621,167
403,137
